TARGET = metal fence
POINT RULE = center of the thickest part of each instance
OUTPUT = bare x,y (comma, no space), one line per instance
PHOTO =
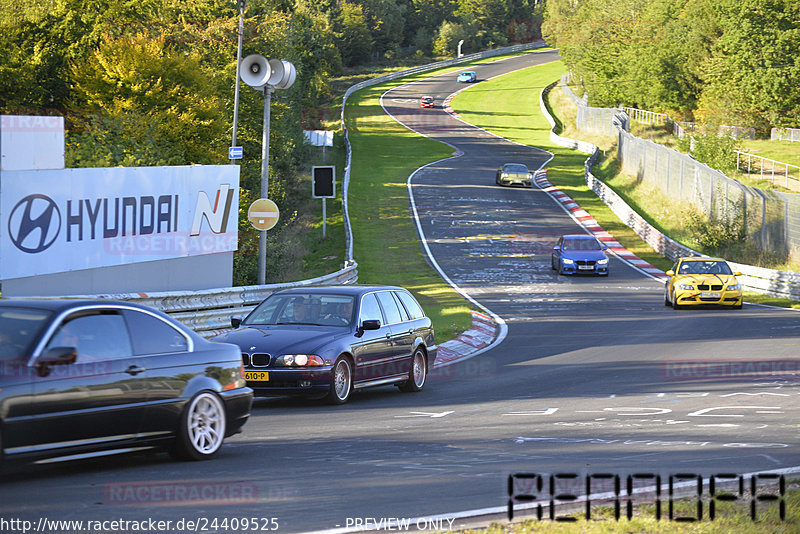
785,134
209,311
776,283
393,76
597,121
771,219
776,172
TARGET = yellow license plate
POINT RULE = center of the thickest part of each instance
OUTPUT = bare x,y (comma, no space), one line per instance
257,376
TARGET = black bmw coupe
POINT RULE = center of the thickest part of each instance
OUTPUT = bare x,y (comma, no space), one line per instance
329,341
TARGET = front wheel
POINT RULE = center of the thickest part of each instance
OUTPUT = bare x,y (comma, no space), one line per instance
675,304
666,299
417,374
202,428
341,382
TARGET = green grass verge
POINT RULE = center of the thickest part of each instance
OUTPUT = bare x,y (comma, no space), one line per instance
385,241
783,151
515,115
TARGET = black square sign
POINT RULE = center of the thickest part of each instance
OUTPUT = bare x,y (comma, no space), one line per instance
323,181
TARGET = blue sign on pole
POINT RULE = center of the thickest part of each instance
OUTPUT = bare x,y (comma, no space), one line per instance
235,152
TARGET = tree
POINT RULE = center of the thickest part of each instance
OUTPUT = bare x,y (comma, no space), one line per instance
353,37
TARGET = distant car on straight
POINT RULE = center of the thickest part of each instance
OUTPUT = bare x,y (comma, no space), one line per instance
468,76
702,281
327,341
426,101
579,254
514,174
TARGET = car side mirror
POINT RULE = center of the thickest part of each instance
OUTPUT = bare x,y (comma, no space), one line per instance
371,324
670,273
236,321
55,356
556,247
737,273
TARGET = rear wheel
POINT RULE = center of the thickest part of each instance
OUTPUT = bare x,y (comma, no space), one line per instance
417,374
202,428
341,381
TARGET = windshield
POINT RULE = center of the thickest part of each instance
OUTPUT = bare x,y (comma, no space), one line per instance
581,244
321,309
515,168
19,327
704,267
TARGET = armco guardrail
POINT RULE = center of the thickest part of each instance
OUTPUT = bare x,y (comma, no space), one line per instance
393,76
781,284
209,311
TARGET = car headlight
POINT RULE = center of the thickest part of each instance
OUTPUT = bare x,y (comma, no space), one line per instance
686,287
734,287
567,261
602,262
299,360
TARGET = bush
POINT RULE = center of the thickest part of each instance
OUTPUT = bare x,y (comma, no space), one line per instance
715,234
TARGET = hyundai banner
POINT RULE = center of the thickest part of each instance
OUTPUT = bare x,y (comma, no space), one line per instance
70,219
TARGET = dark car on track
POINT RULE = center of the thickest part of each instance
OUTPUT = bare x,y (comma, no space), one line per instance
579,254
86,378
328,341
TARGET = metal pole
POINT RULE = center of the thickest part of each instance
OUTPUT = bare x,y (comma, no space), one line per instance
323,217
238,65
262,239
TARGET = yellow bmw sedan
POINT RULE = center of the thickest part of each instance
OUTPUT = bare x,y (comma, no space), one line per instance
702,281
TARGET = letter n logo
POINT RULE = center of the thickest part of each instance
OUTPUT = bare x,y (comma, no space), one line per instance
217,217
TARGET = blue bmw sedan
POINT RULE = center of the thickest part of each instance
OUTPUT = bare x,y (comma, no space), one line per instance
579,254
329,341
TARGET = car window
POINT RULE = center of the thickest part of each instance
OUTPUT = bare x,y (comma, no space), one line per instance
18,329
96,337
370,309
403,313
151,335
516,168
411,305
389,307
581,244
705,267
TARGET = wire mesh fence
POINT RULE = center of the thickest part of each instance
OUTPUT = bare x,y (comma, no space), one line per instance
769,219
785,134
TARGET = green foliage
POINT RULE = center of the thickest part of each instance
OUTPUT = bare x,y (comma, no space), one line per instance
353,37
714,234
716,151
446,42
723,62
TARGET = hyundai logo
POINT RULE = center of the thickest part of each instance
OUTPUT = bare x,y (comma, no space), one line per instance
34,223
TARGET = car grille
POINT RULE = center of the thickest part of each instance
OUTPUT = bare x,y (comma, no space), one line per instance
709,299
258,359
706,287
584,262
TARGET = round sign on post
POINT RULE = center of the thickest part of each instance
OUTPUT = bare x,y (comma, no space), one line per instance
263,214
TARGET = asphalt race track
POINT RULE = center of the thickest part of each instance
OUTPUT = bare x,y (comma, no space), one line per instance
593,377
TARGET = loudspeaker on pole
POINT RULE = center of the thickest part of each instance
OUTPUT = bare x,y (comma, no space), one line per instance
256,71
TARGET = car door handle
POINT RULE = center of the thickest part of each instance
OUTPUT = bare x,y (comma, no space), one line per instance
134,370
